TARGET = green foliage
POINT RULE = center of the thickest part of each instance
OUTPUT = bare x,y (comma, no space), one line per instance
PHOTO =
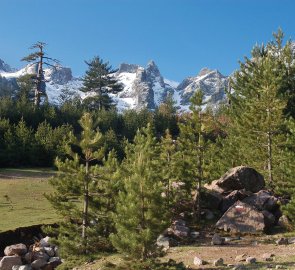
97,80
140,210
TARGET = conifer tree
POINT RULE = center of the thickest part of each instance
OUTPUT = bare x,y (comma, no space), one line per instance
98,80
193,147
257,128
40,59
75,196
140,209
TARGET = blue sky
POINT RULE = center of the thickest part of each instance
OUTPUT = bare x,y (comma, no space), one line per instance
181,36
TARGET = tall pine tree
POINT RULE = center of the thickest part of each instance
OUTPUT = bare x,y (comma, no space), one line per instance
141,213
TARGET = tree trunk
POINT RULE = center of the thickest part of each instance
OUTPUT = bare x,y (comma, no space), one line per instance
85,203
269,159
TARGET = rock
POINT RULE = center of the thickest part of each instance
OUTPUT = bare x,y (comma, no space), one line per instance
241,218
241,177
56,251
263,200
291,240
218,262
282,241
194,234
214,188
40,255
18,249
22,267
268,257
37,264
231,198
250,260
28,257
269,218
7,262
241,258
47,267
44,242
209,215
239,267
166,242
50,251
284,222
198,261
55,261
211,199
217,240
179,228
280,267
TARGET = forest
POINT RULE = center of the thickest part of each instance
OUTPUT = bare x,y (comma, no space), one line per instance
123,177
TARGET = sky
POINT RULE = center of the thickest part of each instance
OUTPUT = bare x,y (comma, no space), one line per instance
181,36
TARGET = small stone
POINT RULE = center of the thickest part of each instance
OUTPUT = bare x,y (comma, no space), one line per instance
38,263
241,258
217,240
218,262
268,257
198,261
7,262
195,235
251,260
166,242
18,249
282,241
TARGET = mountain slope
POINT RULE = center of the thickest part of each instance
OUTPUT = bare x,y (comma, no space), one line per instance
143,87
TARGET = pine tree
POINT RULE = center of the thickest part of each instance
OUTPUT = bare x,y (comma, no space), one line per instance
75,196
98,80
257,131
140,209
193,147
40,59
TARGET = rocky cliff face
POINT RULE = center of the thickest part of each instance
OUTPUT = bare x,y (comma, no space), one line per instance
143,87
4,67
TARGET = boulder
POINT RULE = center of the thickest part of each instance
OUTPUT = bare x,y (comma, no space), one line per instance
214,187
18,249
44,242
211,199
263,200
291,240
269,218
231,198
241,177
39,263
28,257
242,218
7,262
217,240
166,242
179,229
284,222
54,261
40,255
50,251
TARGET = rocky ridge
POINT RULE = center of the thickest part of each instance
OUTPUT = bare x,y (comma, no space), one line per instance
143,87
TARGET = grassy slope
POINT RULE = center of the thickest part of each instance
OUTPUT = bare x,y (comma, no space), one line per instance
22,202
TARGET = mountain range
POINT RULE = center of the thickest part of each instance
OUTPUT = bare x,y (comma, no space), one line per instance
143,87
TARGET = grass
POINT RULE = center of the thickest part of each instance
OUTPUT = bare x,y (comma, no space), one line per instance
22,201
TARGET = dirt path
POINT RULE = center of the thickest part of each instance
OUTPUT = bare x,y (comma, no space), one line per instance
284,255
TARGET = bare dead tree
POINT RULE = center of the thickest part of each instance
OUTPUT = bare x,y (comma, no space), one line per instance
40,59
